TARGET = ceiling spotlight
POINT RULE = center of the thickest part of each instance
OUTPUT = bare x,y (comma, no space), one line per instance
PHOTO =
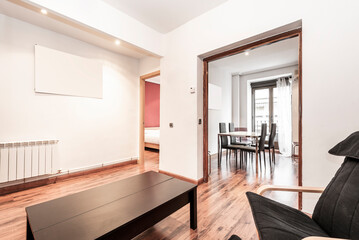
117,42
246,53
44,11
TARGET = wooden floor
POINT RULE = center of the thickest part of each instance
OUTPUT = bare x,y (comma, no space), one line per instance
223,209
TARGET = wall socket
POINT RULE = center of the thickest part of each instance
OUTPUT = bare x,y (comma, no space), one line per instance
171,125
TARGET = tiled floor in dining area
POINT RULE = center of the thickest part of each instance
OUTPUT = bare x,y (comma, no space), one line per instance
222,206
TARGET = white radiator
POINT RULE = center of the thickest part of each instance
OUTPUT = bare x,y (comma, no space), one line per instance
27,159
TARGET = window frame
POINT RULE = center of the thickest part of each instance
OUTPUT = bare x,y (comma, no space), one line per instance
270,85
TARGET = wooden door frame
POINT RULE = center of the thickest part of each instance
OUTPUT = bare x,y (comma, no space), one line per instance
143,78
268,40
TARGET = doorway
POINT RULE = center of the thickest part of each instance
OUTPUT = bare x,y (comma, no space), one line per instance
154,131
264,105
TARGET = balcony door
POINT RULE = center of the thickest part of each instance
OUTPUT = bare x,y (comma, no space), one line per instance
264,104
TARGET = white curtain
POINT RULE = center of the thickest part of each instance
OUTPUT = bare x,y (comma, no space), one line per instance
284,105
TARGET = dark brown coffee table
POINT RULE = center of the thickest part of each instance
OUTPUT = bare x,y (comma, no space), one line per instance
119,210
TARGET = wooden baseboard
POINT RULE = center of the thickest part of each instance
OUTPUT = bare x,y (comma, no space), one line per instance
54,179
27,185
190,180
200,181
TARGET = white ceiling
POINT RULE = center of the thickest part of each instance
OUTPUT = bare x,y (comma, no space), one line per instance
156,79
279,54
101,40
164,15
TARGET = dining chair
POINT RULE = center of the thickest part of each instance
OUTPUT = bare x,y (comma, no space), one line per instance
336,214
270,145
231,129
225,144
234,139
252,149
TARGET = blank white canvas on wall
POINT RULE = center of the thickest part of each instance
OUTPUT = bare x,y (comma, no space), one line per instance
62,73
214,97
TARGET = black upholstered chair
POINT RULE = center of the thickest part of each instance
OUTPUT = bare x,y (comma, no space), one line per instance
225,144
252,149
270,145
234,139
231,129
336,214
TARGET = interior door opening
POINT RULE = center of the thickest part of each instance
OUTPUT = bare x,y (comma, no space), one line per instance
264,99
149,114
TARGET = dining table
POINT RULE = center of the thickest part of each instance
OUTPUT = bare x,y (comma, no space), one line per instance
240,134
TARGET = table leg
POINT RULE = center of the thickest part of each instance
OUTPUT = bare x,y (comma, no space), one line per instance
256,154
219,151
29,235
193,208
236,159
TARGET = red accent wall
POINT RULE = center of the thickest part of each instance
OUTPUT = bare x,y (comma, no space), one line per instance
152,104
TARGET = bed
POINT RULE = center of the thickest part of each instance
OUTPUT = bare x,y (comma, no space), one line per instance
152,137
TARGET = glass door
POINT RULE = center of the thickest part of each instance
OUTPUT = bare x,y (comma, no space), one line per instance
261,111
264,107
275,107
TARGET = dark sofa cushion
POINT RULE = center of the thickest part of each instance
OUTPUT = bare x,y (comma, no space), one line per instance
337,211
276,221
349,147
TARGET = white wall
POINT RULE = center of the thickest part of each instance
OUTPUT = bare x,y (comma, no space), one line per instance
236,100
222,78
98,15
295,111
91,131
330,50
149,65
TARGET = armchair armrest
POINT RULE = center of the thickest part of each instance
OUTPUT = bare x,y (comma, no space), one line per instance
323,238
266,188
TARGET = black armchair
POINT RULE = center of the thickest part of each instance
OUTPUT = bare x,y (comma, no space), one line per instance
336,214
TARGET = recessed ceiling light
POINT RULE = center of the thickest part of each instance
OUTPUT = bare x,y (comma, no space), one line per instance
246,53
117,42
44,11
